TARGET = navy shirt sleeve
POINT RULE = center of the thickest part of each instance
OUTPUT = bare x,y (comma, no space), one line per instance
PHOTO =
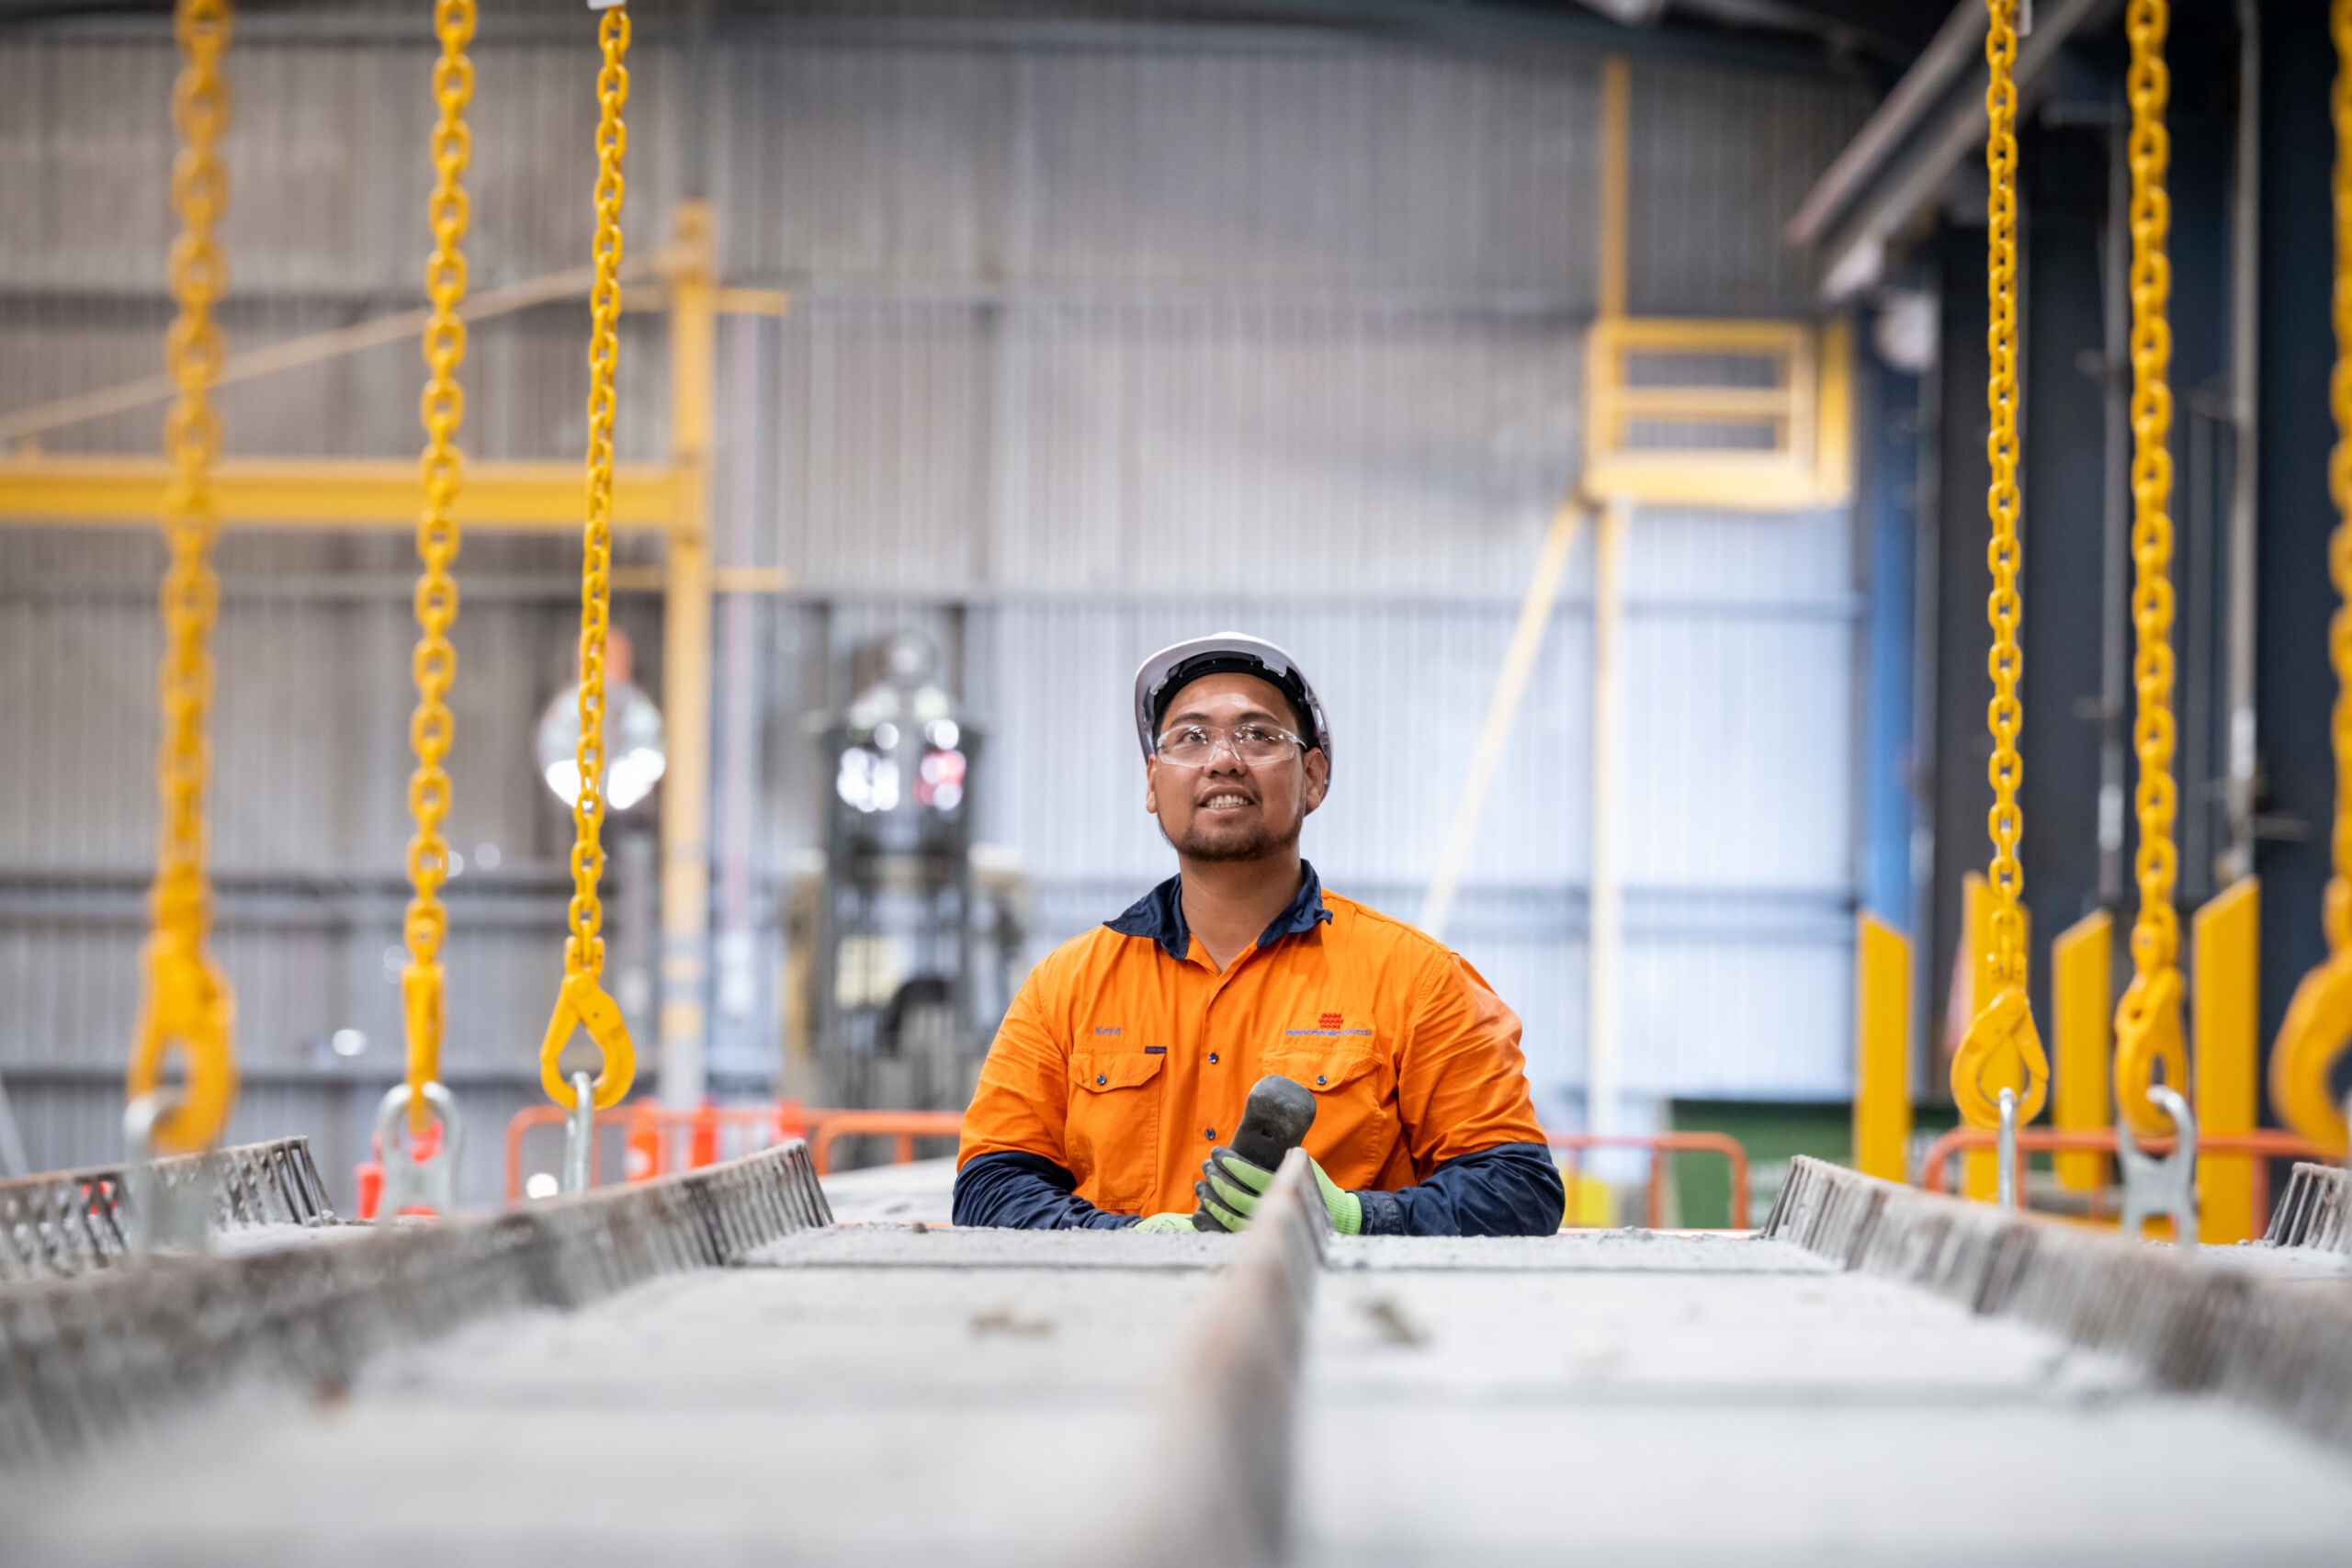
1020,1191
1510,1189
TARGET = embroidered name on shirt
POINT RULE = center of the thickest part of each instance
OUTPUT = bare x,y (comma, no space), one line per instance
1107,1030
1325,1031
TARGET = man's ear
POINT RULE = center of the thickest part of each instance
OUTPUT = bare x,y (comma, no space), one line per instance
1319,777
1151,785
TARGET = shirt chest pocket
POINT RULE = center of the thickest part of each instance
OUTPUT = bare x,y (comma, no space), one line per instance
1112,1135
1353,1130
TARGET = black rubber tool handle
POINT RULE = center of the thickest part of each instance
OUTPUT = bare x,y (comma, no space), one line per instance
1273,1123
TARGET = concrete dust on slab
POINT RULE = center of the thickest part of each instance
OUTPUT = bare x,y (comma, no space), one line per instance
920,1191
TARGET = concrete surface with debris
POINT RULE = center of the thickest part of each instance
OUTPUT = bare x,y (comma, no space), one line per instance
904,1392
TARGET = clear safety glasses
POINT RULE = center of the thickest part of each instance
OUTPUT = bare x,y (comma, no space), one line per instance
1194,745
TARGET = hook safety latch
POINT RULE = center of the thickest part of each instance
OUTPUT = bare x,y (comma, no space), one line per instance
2148,1031
188,1004
2317,1029
2003,1021
582,1004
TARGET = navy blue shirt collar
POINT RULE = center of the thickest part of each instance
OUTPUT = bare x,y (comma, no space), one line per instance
1159,915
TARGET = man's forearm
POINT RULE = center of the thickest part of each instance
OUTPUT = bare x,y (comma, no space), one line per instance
1022,1192
1510,1189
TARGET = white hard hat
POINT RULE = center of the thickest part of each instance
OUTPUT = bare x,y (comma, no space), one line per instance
1173,668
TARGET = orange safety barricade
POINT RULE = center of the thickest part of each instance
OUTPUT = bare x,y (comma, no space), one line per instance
661,1139
2265,1142
903,1127
1659,1144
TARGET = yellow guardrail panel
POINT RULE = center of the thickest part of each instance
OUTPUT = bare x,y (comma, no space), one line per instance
2225,955
1882,1048
2082,1018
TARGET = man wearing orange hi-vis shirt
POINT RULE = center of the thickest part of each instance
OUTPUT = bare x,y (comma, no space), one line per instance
1117,1082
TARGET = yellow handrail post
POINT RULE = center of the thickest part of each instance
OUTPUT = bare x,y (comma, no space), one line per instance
2081,1014
1882,1048
2225,950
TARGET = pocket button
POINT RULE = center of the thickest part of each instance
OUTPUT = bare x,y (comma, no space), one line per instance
1318,1077
1102,1078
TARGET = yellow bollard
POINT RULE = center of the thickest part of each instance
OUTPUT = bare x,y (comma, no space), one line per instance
1882,1048
2225,945
2082,1018
1980,1174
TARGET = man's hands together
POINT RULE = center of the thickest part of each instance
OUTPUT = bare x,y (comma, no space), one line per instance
1231,1189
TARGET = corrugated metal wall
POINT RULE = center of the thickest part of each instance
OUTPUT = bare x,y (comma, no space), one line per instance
1091,349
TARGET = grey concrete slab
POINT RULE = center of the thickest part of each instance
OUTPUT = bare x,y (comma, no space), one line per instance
921,1190
1583,1251
1622,1415
923,1246
782,1415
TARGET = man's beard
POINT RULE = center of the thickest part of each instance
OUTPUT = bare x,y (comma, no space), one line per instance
1255,841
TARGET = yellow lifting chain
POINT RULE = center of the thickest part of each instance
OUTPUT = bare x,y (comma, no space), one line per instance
2003,1027
187,1001
2147,1020
583,1002
443,410
2318,1024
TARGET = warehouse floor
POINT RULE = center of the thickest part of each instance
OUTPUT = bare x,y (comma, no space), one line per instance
893,1392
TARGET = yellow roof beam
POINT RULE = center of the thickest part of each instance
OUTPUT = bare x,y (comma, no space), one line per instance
305,493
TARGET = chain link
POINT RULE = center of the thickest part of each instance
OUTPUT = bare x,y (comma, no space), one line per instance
2003,1027
583,1001
435,664
2148,1020
186,999
2319,1019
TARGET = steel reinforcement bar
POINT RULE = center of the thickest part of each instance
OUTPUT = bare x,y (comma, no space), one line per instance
2312,1210
2193,1323
66,1223
85,1359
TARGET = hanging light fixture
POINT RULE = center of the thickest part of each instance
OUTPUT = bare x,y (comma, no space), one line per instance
634,758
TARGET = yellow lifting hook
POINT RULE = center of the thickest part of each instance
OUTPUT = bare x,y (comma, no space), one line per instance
2318,1026
2003,1024
583,1003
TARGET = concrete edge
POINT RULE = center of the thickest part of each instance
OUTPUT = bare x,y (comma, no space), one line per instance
85,1360
1222,1492
2193,1324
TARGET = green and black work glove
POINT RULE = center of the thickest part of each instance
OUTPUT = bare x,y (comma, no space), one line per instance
1166,1223
1232,1188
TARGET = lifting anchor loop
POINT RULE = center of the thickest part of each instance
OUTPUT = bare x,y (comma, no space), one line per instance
410,1183
2153,1186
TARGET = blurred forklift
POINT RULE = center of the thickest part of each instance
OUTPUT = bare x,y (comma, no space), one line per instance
903,933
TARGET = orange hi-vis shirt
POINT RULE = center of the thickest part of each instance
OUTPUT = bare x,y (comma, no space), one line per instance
1124,1062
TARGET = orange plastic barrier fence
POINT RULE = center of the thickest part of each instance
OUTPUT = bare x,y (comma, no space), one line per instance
1659,1144
2262,1140
662,1139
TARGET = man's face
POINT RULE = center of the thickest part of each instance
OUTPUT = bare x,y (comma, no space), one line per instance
1227,809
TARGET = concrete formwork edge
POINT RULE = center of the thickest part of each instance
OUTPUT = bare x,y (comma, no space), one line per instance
1225,1490
83,1360
2191,1322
